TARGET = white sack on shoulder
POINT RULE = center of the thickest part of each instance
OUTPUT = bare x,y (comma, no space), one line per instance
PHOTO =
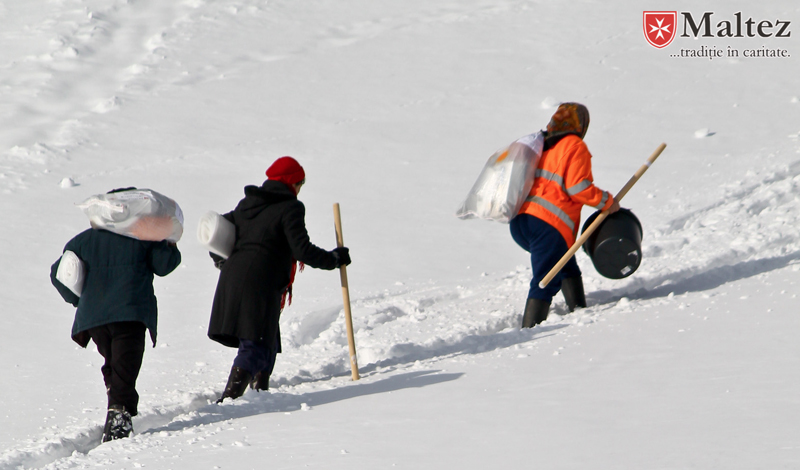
217,234
143,214
504,182
71,272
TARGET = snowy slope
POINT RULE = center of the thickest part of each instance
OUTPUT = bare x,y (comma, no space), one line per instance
392,108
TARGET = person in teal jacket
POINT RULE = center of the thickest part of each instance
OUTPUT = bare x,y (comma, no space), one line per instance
116,306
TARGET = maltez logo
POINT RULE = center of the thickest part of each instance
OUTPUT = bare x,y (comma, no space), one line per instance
659,27
733,29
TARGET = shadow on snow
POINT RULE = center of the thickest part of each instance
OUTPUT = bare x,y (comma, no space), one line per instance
283,403
688,280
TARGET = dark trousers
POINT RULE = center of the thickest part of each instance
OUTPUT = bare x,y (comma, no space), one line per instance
546,246
256,357
122,346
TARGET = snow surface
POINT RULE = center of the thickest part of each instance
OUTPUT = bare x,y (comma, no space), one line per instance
393,107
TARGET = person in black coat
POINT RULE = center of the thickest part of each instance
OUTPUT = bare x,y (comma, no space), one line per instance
116,307
256,280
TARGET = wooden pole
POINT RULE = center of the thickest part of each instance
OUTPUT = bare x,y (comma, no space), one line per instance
351,340
599,220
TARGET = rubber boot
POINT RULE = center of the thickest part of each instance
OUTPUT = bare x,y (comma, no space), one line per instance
237,384
118,424
572,288
535,312
260,381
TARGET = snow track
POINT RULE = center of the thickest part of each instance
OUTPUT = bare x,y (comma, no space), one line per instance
197,423
752,230
397,332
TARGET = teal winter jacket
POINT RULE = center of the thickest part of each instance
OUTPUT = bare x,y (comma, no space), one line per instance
119,280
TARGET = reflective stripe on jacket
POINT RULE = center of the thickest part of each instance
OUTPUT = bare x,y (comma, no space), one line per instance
563,185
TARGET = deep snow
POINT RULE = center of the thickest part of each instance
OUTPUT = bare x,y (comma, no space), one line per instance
393,107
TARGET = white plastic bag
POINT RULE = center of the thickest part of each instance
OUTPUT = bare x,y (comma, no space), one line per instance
505,181
138,213
71,272
217,234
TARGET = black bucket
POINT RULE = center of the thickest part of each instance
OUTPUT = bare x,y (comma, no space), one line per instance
615,247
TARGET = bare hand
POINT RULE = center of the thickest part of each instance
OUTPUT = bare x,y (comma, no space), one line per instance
614,207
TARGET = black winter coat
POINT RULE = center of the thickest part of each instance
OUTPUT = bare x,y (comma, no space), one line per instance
270,234
119,280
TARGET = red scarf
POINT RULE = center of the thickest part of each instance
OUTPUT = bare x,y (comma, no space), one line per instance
287,293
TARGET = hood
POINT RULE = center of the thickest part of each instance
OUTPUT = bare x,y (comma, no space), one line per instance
258,198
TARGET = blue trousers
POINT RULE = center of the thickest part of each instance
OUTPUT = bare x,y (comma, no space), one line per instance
255,357
546,246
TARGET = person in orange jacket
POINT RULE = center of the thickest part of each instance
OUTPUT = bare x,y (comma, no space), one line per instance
547,224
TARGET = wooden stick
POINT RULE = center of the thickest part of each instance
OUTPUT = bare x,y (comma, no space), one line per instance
351,340
599,220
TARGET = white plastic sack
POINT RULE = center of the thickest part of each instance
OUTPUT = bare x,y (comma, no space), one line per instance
217,234
71,272
138,213
505,181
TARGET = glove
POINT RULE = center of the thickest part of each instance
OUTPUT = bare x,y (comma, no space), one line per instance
218,260
342,255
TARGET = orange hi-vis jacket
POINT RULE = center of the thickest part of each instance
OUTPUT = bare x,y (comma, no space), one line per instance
563,185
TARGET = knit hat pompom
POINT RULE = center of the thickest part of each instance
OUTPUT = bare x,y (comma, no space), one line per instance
286,170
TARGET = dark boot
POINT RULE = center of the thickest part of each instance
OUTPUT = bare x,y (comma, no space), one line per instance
572,288
535,312
260,381
118,424
237,384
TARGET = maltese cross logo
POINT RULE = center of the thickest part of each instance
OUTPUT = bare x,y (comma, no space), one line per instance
659,27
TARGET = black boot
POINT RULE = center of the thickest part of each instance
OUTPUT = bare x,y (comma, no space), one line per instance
535,312
237,384
260,381
118,424
572,288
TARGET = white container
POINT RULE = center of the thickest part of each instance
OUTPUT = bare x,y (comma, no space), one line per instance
217,234
71,272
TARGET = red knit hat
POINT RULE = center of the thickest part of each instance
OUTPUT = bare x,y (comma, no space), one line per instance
286,170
